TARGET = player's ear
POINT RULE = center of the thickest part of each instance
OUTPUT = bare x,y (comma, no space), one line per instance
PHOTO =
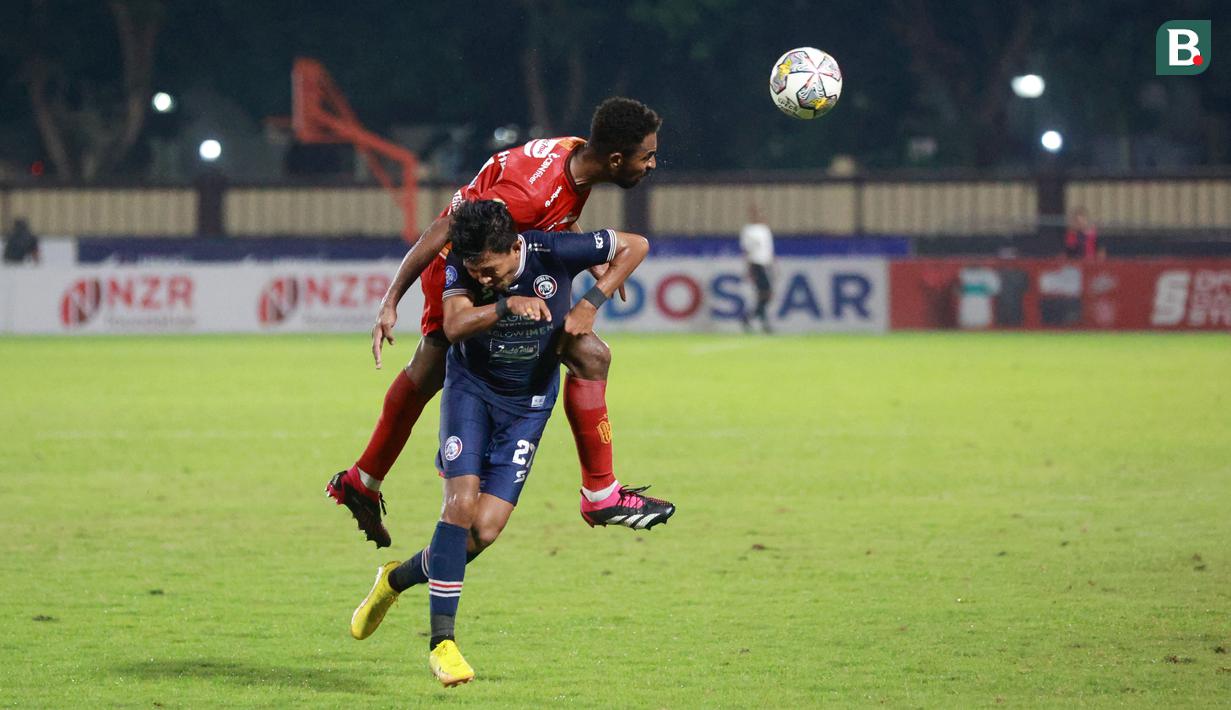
615,161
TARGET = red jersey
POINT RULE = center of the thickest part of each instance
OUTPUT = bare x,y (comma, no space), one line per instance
533,183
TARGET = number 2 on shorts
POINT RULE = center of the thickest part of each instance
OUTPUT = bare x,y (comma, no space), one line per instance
520,458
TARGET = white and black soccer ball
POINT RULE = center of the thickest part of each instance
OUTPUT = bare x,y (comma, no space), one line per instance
805,83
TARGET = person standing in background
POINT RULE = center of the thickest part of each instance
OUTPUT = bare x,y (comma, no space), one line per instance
1081,239
756,241
21,245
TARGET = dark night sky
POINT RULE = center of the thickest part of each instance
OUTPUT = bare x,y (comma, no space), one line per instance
702,63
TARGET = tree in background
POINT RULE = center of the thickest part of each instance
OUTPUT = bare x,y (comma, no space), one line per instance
89,120
914,70
963,59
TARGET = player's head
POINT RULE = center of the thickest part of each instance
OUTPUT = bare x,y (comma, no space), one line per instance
483,236
624,135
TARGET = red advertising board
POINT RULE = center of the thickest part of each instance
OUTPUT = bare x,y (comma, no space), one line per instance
1116,294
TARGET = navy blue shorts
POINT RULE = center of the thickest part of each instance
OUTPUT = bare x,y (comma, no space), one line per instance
477,437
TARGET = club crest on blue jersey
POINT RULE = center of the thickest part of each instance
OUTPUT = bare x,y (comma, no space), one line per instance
452,448
450,276
545,286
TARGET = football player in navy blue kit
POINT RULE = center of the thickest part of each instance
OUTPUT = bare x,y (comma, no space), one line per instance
507,308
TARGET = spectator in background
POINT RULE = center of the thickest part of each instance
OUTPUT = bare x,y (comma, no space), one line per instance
21,245
1081,239
757,244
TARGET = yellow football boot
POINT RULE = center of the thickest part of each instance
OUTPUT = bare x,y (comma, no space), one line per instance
372,609
448,665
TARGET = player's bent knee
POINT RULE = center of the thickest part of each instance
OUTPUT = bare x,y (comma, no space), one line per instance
427,368
588,357
591,349
484,536
460,508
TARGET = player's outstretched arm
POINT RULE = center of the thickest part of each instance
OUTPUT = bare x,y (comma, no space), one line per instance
463,319
421,253
629,252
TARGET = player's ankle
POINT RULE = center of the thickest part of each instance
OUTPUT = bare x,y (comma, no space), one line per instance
364,482
596,492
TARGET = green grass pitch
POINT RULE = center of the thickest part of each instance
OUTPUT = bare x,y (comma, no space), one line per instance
912,520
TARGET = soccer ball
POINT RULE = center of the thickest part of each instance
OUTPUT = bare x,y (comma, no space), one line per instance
805,83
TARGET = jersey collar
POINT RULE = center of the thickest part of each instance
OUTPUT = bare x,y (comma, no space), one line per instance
521,266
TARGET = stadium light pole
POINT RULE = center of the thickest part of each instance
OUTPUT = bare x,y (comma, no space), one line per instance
1030,87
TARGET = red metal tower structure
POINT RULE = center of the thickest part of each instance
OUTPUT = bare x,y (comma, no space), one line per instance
321,114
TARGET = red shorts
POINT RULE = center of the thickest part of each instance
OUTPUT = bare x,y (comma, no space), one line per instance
433,282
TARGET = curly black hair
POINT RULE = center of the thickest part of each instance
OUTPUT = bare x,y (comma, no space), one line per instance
619,125
479,226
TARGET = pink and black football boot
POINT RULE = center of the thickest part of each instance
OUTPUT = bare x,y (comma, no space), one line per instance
628,507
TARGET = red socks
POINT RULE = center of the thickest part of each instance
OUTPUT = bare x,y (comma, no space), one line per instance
585,404
403,404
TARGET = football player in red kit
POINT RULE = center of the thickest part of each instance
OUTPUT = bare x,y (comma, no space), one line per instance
544,184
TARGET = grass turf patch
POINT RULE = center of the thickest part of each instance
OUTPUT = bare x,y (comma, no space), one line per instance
927,519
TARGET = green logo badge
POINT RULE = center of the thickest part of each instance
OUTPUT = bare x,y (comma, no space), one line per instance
1182,48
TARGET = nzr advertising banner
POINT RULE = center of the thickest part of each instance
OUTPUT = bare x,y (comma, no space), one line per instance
984,294
233,298
690,294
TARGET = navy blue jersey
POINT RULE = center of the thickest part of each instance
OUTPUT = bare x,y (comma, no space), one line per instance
516,358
